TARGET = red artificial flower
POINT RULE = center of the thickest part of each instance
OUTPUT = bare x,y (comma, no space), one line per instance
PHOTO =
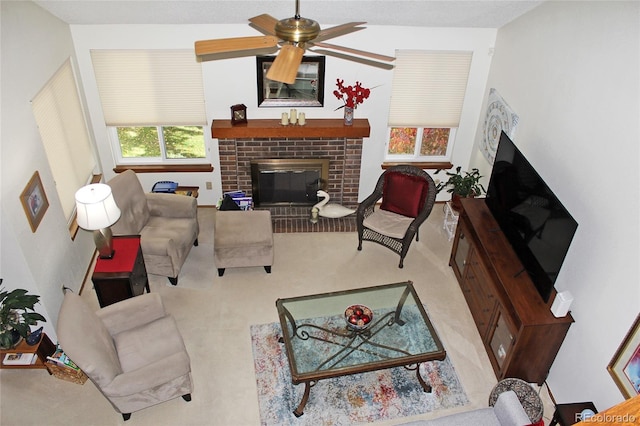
351,95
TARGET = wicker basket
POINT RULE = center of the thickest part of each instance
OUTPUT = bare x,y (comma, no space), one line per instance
66,373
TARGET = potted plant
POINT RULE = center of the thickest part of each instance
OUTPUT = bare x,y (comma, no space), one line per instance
461,185
16,316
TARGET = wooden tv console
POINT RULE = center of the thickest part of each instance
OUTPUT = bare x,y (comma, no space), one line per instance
520,334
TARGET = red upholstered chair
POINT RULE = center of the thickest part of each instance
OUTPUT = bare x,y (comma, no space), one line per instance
408,195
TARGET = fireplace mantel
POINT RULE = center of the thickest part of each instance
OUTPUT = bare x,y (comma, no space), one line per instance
314,128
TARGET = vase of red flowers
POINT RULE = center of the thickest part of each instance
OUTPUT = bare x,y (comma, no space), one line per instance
351,96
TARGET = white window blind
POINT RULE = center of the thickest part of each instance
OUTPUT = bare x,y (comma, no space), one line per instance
149,87
428,88
58,114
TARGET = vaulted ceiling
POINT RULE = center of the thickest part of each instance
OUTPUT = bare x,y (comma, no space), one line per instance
423,13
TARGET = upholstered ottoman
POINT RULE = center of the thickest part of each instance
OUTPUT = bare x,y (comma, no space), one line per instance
242,238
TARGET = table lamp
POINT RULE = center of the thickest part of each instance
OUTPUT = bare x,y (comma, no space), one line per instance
97,211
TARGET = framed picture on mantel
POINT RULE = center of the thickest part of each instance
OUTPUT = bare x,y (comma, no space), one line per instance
306,91
625,364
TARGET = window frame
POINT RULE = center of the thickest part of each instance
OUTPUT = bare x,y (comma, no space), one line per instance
151,88
116,148
416,157
428,91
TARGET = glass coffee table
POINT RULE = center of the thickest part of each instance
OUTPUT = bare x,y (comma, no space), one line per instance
321,343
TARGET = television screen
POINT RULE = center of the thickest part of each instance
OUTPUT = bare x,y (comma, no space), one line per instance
532,218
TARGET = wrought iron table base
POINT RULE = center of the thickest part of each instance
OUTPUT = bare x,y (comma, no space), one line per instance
425,386
305,397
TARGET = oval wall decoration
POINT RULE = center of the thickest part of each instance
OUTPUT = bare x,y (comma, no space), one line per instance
499,117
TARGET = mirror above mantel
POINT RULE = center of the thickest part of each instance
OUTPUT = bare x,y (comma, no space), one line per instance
306,91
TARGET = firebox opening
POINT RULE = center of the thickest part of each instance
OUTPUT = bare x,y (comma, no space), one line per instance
287,182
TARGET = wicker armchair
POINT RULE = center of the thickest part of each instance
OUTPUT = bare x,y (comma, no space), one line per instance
408,195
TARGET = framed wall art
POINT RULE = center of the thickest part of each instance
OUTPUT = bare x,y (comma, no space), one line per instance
306,91
625,364
34,201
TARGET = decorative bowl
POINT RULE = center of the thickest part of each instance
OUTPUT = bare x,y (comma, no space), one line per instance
358,317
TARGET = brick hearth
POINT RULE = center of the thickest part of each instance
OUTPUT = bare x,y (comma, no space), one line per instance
262,139
296,219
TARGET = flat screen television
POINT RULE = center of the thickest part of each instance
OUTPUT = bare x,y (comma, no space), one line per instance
534,221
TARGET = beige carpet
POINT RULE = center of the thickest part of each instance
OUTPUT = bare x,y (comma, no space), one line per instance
215,313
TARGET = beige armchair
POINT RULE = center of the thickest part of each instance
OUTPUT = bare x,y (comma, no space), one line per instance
167,224
132,350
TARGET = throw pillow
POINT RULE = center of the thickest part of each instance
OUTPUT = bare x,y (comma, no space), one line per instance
228,204
404,194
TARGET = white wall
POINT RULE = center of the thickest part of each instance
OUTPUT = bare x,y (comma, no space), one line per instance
34,45
233,81
571,71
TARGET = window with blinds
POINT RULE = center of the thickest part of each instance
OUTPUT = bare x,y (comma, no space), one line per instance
153,104
426,102
63,130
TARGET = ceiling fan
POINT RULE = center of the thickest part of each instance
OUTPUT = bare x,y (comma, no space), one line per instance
293,35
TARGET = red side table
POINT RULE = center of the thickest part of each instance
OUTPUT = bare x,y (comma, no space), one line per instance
123,276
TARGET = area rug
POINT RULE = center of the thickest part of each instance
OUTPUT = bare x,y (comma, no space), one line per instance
361,398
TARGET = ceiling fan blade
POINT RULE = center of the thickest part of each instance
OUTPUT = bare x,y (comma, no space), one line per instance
264,23
285,66
339,30
225,45
352,58
371,55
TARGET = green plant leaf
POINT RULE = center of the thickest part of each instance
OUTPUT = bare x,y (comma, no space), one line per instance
23,329
33,317
5,339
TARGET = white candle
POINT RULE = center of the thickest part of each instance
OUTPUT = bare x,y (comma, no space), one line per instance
301,119
293,116
285,119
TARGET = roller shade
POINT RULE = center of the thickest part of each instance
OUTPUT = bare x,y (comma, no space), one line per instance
428,88
63,130
149,87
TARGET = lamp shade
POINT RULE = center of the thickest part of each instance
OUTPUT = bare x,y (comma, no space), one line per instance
96,208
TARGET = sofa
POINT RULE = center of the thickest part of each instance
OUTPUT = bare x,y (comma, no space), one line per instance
167,224
507,411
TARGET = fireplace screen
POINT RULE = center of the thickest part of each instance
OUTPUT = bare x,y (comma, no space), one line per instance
287,182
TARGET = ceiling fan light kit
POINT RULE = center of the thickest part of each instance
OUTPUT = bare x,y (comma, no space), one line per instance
294,35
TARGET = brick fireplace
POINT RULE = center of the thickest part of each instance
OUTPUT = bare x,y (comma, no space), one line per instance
319,138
